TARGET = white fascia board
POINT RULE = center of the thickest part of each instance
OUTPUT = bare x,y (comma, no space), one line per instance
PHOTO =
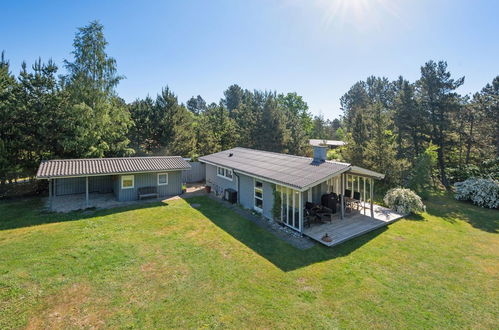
326,178
360,170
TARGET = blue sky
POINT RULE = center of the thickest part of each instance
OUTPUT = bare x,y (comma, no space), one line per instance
317,48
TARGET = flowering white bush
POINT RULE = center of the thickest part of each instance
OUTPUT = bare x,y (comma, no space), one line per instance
403,201
482,192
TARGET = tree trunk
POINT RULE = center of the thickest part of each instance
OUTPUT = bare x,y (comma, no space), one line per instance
441,165
497,138
470,142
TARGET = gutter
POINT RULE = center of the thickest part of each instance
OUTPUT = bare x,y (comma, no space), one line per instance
238,186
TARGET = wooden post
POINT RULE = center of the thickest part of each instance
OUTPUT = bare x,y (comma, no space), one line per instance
282,202
364,195
287,205
50,193
86,191
371,184
300,212
294,208
342,201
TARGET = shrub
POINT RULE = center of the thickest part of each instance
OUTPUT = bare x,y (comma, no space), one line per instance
276,209
487,169
403,201
420,177
481,192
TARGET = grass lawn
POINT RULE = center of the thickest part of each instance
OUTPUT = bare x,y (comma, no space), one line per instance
177,266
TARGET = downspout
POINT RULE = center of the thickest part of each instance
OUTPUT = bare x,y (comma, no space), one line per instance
238,186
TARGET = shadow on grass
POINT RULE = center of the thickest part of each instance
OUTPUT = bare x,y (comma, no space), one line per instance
280,253
446,207
415,217
29,212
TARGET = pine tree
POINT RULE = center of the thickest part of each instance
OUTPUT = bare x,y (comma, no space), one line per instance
380,152
172,133
440,103
196,105
10,133
408,121
490,97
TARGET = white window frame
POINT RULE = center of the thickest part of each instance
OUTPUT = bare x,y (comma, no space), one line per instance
225,171
163,184
126,177
255,189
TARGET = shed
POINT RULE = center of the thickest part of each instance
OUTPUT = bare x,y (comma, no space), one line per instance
122,178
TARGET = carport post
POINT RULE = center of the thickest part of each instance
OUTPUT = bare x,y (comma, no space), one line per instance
86,190
50,193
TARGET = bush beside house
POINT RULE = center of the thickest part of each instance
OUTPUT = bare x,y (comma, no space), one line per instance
404,201
481,192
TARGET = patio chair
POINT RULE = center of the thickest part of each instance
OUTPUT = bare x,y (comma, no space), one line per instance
346,202
356,199
310,214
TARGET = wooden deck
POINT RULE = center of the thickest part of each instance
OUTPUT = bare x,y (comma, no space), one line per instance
354,224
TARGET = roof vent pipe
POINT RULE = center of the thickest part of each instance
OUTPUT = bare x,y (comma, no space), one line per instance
320,154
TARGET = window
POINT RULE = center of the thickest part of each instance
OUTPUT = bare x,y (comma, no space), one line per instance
162,179
127,181
258,196
224,173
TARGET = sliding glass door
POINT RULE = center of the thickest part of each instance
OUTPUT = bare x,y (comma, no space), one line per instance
290,207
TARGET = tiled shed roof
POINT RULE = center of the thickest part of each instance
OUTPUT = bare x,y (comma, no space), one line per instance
294,171
103,166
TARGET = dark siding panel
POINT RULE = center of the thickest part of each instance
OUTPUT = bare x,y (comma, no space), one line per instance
96,184
197,173
174,186
100,184
213,180
69,186
246,191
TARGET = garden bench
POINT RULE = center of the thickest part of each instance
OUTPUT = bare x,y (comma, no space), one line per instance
148,192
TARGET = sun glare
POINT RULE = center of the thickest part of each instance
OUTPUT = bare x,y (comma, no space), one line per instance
359,14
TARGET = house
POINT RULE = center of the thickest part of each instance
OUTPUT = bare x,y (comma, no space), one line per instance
121,179
331,144
259,178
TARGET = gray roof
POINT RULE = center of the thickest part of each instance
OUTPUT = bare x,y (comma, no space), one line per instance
107,166
319,142
295,171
